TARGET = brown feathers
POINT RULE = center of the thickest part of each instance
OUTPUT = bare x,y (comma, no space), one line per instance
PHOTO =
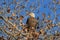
32,22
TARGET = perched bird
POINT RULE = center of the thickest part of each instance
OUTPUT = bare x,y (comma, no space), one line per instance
8,10
31,21
21,18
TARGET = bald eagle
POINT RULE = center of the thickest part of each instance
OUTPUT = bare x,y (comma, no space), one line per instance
31,21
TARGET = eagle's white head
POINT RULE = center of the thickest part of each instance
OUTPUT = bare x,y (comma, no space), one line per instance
32,14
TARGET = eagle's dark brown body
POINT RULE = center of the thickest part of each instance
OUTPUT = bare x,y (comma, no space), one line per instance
31,22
